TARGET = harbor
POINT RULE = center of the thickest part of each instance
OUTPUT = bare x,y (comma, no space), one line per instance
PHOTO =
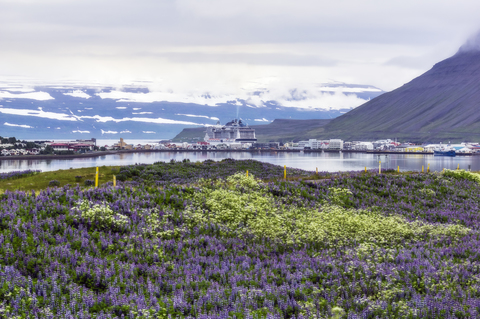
307,160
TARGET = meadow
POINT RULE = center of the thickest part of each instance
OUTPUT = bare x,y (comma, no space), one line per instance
204,240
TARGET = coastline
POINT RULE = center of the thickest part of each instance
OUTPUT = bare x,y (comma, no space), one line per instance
104,153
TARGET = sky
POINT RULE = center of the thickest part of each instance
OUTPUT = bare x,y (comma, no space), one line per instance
226,46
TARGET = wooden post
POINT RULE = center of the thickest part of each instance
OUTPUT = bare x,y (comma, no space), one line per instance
422,168
458,167
379,167
444,169
365,169
428,168
96,178
247,172
114,180
398,169
317,170
285,172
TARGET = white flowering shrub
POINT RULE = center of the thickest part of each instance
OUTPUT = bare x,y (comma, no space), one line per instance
242,205
462,174
160,226
244,181
102,216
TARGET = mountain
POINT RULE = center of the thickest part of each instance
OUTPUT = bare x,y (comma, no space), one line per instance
440,105
71,111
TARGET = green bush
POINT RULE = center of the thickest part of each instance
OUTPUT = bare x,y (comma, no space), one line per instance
53,183
89,182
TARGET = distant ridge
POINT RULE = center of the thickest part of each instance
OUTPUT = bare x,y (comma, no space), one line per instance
280,130
441,104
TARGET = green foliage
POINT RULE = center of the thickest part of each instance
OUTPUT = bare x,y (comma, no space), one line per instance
39,181
48,150
53,183
278,249
242,205
337,312
340,196
462,174
88,182
101,216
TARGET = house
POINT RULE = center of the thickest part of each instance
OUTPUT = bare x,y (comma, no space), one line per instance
5,152
59,147
34,151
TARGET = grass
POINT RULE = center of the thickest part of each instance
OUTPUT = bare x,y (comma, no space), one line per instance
70,176
41,181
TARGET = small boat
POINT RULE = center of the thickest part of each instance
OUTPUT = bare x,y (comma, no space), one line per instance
444,153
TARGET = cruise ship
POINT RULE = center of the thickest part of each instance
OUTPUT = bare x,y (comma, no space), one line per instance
233,132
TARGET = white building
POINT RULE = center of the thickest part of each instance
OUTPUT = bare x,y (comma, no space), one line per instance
335,144
364,146
313,144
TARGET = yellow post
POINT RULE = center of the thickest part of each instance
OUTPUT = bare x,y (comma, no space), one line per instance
458,167
379,167
444,169
422,168
317,170
365,169
96,178
285,172
247,172
398,169
428,168
114,180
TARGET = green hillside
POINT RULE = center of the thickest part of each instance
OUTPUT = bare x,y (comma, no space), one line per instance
440,105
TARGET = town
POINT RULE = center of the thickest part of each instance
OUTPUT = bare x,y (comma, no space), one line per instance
10,146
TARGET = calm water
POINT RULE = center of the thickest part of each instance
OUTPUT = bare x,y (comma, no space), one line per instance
329,161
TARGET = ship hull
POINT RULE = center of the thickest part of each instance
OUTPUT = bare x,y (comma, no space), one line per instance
444,153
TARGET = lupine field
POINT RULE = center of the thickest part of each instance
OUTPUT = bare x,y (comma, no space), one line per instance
203,240
17,174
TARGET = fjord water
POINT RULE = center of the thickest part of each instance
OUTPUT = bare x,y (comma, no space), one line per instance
325,161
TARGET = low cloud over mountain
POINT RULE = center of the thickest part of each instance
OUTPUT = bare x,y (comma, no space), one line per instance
72,111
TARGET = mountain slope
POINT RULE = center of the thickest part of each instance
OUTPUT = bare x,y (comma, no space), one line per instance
443,103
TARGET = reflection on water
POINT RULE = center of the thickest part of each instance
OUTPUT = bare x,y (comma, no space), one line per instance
325,161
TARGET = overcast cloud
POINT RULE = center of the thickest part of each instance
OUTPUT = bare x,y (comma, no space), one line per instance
226,45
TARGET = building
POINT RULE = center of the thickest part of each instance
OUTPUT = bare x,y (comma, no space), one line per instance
313,144
414,148
363,146
268,145
233,132
71,146
335,144
92,141
122,145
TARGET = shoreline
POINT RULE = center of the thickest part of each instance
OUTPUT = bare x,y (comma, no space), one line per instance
104,153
